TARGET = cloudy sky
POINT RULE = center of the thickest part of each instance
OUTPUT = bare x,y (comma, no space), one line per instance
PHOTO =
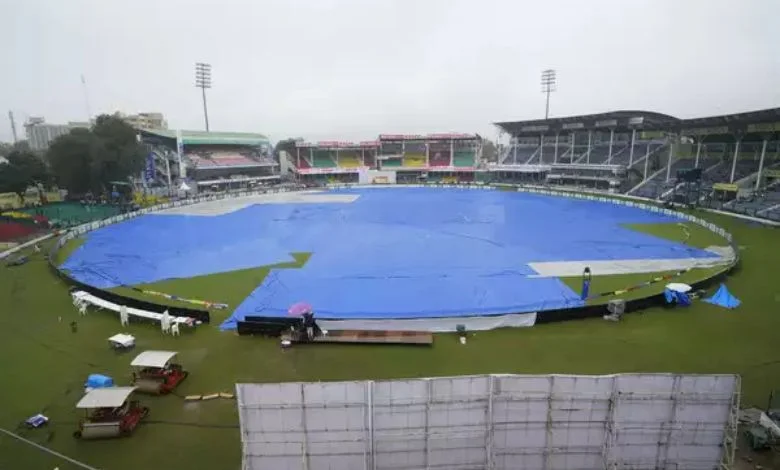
351,69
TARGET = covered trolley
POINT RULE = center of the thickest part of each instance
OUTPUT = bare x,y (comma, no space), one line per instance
155,373
109,413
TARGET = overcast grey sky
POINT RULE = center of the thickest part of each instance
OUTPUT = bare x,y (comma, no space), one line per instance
353,69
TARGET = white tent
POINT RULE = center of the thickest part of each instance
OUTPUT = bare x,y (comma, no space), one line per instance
184,186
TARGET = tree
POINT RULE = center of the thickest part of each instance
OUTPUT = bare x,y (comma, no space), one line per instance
489,152
88,160
5,149
119,155
24,169
70,157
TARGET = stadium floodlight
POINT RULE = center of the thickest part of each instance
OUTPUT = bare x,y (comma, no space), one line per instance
203,81
548,86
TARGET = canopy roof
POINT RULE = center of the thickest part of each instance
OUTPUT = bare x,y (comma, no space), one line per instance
626,119
209,138
153,359
109,397
751,125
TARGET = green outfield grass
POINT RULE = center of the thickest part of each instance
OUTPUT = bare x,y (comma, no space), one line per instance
43,364
689,233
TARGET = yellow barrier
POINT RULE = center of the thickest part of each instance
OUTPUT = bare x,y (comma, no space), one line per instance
210,396
147,200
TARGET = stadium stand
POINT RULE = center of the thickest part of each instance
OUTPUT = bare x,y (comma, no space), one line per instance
303,162
520,154
465,154
439,154
392,163
205,159
208,158
369,157
414,160
323,159
414,154
652,148
349,159
391,148
464,158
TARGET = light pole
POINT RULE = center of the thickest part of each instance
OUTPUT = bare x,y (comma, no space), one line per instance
548,86
203,81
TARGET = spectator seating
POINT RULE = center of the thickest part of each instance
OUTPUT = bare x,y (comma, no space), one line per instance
519,155
369,158
722,174
547,154
391,149
302,163
439,154
224,159
323,159
414,160
349,159
598,155
464,158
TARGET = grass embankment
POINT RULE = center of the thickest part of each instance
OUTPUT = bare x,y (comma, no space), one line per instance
44,365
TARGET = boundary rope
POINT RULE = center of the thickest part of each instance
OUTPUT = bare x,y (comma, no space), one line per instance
47,450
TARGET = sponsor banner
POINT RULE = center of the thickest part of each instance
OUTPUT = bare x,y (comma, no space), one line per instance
149,170
707,130
764,127
725,187
401,137
438,136
650,135
534,128
448,136
336,144
453,169
329,171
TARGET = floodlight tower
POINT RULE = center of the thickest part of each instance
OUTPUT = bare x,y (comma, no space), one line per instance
203,81
548,86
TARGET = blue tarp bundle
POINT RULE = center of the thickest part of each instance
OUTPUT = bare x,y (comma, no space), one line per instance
724,298
680,298
99,381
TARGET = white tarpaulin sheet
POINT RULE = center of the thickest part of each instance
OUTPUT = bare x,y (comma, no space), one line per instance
632,421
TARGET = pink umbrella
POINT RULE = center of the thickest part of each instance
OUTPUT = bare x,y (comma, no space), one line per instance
299,309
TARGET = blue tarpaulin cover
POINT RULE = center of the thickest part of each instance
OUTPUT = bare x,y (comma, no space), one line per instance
724,298
390,253
680,298
99,381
